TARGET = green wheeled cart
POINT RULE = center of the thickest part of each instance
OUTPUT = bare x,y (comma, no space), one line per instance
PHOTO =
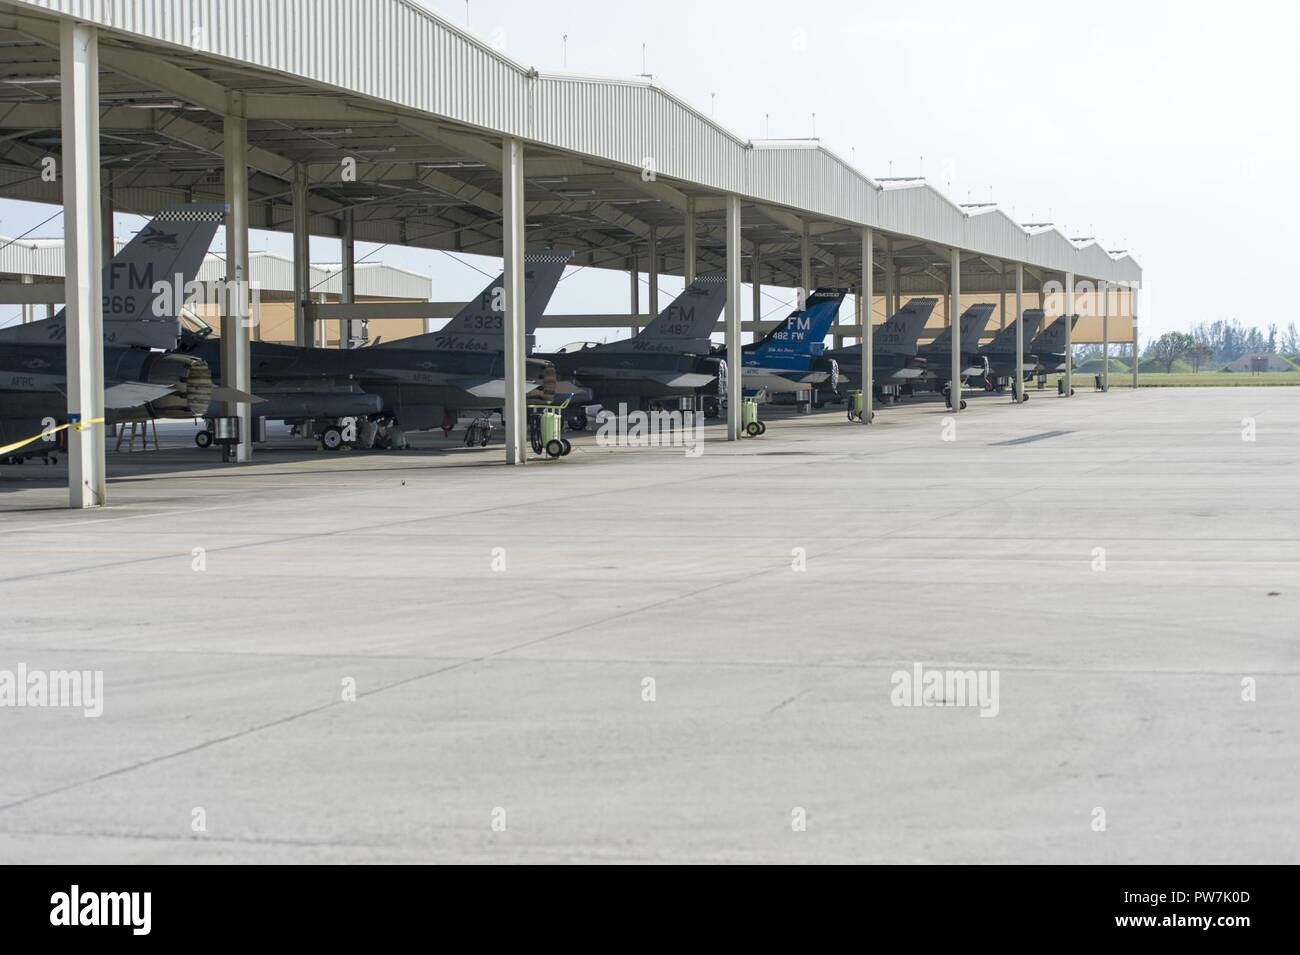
546,430
749,423
857,406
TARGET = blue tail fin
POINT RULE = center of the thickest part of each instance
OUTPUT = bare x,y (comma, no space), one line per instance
804,331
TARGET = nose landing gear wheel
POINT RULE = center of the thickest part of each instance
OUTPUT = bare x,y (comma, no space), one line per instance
203,439
331,439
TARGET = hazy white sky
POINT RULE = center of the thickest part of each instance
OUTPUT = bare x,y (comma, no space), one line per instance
1164,128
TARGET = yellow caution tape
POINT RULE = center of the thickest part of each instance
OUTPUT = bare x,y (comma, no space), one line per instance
46,435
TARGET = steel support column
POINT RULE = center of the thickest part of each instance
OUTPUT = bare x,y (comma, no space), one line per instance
805,265
735,350
634,291
1069,334
350,329
1002,299
688,242
302,330
1018,392
106,212
1105,337
83,262
512,252
1133,310
756,284
652,274
236,321
867,286
954,320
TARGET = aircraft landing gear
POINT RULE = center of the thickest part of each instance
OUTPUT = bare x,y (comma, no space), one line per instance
331,438
203,439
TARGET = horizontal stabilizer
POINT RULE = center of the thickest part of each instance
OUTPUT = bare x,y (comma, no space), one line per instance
234,395
131,394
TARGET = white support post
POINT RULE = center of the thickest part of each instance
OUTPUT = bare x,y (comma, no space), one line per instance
1105,337
1018,392
83,262
302,330
756,287
1069,336
954,321
350,329
1133,310
867,287
688,242
512,252
236,322
735,350
652,274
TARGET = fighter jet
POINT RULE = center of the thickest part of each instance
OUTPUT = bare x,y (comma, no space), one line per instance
1049,347
895,360
792,356
418,383
670,358
1001,351
938,353
144,288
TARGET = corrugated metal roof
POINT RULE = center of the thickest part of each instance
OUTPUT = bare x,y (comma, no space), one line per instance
394,52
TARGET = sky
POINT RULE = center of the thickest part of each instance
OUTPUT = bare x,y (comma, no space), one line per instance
1163,128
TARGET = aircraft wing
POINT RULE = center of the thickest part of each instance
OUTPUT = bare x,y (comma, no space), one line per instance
678,379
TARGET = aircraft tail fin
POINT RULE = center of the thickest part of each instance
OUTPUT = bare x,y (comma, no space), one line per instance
169,249
804,331
973,322
1051,340
479,326
902,330
686,324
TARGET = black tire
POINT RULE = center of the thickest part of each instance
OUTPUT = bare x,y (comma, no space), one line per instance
203,439
578,422
483,443
1071,392
752,429
554,448
331,438
568,446
963,404
762,427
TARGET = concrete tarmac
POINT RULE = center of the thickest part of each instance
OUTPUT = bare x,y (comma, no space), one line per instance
1127,566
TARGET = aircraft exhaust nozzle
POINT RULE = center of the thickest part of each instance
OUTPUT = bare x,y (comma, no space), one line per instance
543,371
191,382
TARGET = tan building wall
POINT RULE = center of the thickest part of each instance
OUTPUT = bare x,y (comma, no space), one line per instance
274,323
